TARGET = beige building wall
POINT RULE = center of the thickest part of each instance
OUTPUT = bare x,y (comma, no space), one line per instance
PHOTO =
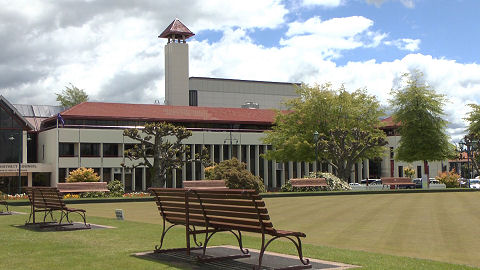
176,74
235,93
435,167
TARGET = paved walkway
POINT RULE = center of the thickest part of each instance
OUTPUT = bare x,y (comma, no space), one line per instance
271,260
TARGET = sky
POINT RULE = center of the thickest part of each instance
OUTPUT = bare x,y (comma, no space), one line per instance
111,49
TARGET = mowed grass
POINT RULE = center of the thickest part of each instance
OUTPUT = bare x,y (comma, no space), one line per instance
384,231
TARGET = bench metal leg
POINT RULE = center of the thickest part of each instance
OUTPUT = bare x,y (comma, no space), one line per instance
206,258
298,244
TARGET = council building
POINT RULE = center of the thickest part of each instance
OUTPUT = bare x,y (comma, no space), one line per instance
227,116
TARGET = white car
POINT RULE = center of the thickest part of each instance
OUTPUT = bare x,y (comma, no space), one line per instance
475,183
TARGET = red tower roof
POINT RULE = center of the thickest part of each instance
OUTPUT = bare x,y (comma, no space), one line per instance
176,28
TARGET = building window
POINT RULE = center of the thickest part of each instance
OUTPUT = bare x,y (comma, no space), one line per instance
66,149
400,171
90,150
110,149
419,171
193,98
392,153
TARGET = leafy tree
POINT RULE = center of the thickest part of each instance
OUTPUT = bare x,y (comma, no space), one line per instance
160,148
473,135
82,175
235,175
347,124
419,110
71,96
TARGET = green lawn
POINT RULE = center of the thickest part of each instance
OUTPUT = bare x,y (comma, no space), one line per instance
367,230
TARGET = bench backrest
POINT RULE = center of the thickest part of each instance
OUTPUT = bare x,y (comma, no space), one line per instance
45,197
230,209
205,184
82,187
308,182
396,180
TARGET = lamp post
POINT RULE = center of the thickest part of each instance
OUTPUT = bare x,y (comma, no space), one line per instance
315,138
12,139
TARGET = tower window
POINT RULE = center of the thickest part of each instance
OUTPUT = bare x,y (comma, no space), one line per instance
193,98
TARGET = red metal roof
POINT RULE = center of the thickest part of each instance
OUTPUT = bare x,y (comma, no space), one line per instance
152,112
176,28
389,123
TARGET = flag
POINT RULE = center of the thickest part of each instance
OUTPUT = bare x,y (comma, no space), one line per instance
60,119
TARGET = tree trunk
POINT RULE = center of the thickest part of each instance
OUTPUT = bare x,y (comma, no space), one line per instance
158,179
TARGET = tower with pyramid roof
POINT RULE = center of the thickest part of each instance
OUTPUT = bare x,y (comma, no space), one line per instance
176,63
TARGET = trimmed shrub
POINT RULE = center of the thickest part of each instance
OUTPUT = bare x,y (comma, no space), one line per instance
93,194
334,184
450,179
235,174
82,175
116,188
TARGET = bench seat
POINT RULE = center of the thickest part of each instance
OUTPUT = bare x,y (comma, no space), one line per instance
397,182
80,187
5,204
48,200
308,182
205,184
220,210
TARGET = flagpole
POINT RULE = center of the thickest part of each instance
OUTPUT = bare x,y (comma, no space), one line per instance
58,155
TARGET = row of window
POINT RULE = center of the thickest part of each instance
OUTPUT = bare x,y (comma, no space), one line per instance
87,123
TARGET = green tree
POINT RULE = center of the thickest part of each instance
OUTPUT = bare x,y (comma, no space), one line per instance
71,96
347,124
419,110
473,136
160,148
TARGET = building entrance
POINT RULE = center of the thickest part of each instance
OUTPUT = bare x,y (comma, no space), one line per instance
10,184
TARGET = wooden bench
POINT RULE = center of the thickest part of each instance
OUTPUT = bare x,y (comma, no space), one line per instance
397,182
5,204
79,187
48,200
214,210
205,184
308,182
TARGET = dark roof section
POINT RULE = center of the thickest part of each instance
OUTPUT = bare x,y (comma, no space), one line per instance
38,110
176,28
16,113
152,112
238,80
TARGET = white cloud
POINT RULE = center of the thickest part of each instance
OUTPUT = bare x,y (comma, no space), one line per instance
405,44
325,3
406,3
331,36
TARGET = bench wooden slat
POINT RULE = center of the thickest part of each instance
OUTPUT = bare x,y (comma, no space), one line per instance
262,210
82,187
205,184
218,213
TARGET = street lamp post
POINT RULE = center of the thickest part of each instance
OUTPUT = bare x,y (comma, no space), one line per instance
315,138
12,139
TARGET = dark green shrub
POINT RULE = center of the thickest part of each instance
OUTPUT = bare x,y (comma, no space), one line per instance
236,175
116,188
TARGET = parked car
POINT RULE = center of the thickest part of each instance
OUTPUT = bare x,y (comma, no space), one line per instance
434,181
475,183
418,182
371,181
